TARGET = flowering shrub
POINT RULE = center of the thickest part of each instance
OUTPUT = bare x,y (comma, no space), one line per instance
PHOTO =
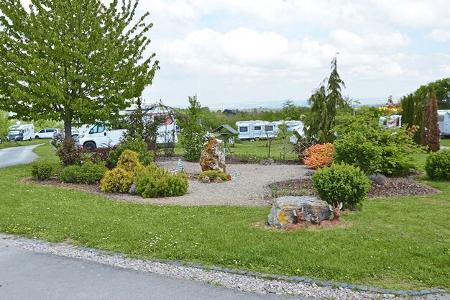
319,155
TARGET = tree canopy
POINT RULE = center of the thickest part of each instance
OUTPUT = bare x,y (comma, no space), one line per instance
72,59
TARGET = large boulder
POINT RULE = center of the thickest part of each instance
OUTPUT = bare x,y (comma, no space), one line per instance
212,157
284,210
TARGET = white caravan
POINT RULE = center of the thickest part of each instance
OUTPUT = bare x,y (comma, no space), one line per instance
23,132
393,121
257,129
444,122
101,136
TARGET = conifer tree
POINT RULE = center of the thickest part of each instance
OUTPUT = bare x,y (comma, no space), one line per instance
431,126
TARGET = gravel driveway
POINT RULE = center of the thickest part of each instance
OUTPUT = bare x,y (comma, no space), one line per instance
248,186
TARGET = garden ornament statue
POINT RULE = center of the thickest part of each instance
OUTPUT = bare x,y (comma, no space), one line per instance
180,166
336,212
300,218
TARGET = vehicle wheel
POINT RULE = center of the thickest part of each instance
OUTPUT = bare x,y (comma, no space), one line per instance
30,139
36,137
89,145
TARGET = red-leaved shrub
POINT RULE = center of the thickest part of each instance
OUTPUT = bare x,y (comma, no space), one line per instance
319,155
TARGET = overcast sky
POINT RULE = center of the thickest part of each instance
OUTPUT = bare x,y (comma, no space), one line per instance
235,53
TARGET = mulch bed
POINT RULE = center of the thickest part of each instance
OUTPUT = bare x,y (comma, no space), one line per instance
394,187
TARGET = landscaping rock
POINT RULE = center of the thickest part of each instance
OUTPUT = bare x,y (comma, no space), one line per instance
282,213
212,157
205,179
379,179
132,190
267,162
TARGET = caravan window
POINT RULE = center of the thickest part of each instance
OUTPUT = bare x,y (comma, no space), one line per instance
257,128
243,129
441,118
269,128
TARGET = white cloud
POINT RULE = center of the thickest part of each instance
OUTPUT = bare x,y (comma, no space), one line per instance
440,35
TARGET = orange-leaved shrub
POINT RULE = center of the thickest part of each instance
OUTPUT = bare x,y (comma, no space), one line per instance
319,155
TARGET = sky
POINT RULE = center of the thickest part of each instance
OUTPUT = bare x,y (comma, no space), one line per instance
248,53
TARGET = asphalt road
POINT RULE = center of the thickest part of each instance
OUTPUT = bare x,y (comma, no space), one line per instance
29,275
17,156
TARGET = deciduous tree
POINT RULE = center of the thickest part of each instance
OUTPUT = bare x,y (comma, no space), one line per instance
72,60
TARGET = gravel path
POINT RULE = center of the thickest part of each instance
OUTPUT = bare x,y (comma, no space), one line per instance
248,187
241,282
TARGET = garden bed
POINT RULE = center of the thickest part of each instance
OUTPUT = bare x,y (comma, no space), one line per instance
394,187
248,187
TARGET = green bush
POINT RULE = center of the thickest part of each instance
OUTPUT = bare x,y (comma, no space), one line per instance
214,174
117,180
129,161
342,183
438,165
88,173
137,145
377,150
42,170
153,181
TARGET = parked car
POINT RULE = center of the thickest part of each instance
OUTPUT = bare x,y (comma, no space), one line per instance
46,133
21,132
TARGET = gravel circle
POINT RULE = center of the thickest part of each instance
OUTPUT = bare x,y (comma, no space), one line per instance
242,282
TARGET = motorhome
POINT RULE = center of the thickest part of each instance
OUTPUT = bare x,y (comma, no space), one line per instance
23,132
444,122
392,121
102,136
257,129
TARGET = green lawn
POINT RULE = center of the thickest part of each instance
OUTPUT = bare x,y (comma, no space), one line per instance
254,151
24,143
392,243
445,142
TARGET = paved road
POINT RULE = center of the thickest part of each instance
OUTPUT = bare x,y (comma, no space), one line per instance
17,155
29,275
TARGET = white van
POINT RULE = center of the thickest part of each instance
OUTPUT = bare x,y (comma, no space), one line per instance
444,122
100,136
23,132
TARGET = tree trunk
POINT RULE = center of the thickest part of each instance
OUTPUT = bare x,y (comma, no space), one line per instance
67,128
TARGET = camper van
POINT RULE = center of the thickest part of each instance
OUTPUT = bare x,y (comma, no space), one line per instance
23,132
393,121
444,122
257,129
102,136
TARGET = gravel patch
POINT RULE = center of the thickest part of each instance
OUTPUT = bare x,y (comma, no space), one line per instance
242,281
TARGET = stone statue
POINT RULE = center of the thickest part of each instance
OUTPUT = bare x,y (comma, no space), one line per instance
212,157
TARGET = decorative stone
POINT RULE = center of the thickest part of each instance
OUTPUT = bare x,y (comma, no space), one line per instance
212,157
378,178
205,179
286,210
267,162
132,190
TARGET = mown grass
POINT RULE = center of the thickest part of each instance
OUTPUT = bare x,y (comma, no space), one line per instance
445,142
256,150
22,143
393,243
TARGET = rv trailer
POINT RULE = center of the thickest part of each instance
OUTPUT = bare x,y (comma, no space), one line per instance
23,132
259,130
444,122
393,121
